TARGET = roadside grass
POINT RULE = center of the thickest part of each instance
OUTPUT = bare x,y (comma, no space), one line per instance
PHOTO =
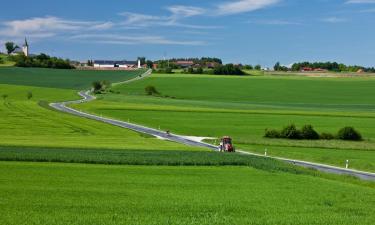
53,194
66,79
25,123
243,107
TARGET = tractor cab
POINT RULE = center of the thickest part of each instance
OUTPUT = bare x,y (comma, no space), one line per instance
226,144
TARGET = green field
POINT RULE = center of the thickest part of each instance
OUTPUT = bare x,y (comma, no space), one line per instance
97,194
65,79
56,168
243,107
31,123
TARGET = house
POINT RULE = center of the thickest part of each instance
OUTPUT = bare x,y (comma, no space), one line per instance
184,64
116,64
307,69
320,70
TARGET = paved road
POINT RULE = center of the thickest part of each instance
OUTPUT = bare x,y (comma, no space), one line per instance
86,97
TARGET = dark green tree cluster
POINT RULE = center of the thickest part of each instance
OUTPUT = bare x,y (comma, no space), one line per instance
101,86
151,90
228,69
279,67
308,133
43,61
192,70
90,63
331,66
10,47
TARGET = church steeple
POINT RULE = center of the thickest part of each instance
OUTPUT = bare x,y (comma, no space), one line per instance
25,48
26,44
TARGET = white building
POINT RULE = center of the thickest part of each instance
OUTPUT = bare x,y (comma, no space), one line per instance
24,50
116,64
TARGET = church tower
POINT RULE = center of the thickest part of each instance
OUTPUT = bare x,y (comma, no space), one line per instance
25,48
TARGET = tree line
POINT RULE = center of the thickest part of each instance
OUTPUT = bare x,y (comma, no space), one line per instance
42,60
330,66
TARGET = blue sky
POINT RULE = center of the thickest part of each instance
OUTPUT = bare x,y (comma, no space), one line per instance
238,31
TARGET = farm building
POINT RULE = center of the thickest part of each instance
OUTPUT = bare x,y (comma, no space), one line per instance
116,64
185,64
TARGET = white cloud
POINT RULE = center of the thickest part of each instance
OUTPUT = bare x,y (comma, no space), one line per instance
185,11
334,20
48,26
360,2
132,40
274,22
242,6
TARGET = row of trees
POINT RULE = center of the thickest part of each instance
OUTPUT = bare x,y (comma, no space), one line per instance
330,66
41,60
308,133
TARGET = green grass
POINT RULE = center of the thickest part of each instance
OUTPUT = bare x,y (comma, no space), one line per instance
49,193
30,123
243,107
67,79
5,62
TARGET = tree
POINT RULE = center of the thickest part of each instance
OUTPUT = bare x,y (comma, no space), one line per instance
277,66
10,47
151,90
150,64
142,59
97,86
258,67
349,133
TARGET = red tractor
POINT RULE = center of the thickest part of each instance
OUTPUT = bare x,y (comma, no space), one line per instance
226,145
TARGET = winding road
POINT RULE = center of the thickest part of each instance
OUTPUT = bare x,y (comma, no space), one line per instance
86,97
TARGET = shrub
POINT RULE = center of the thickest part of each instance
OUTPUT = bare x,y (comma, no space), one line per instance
309,133
228,69
151,90
163,70
272,134
326,136
349,133
290,132
97,86
29,95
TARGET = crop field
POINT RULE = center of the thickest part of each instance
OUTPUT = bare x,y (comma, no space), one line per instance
66,79
49,193
243,107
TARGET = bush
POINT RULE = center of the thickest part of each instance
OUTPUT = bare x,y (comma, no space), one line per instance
29,95
350,134
272,134
163,70
291,132
151,90
309,133
327,136
228,69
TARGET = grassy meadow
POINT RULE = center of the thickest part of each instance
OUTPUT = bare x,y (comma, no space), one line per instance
31,123
243,107
49,193
56,168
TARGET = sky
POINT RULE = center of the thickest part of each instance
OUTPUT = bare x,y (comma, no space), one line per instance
237,31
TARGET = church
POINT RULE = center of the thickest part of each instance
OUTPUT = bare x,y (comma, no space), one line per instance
24,50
